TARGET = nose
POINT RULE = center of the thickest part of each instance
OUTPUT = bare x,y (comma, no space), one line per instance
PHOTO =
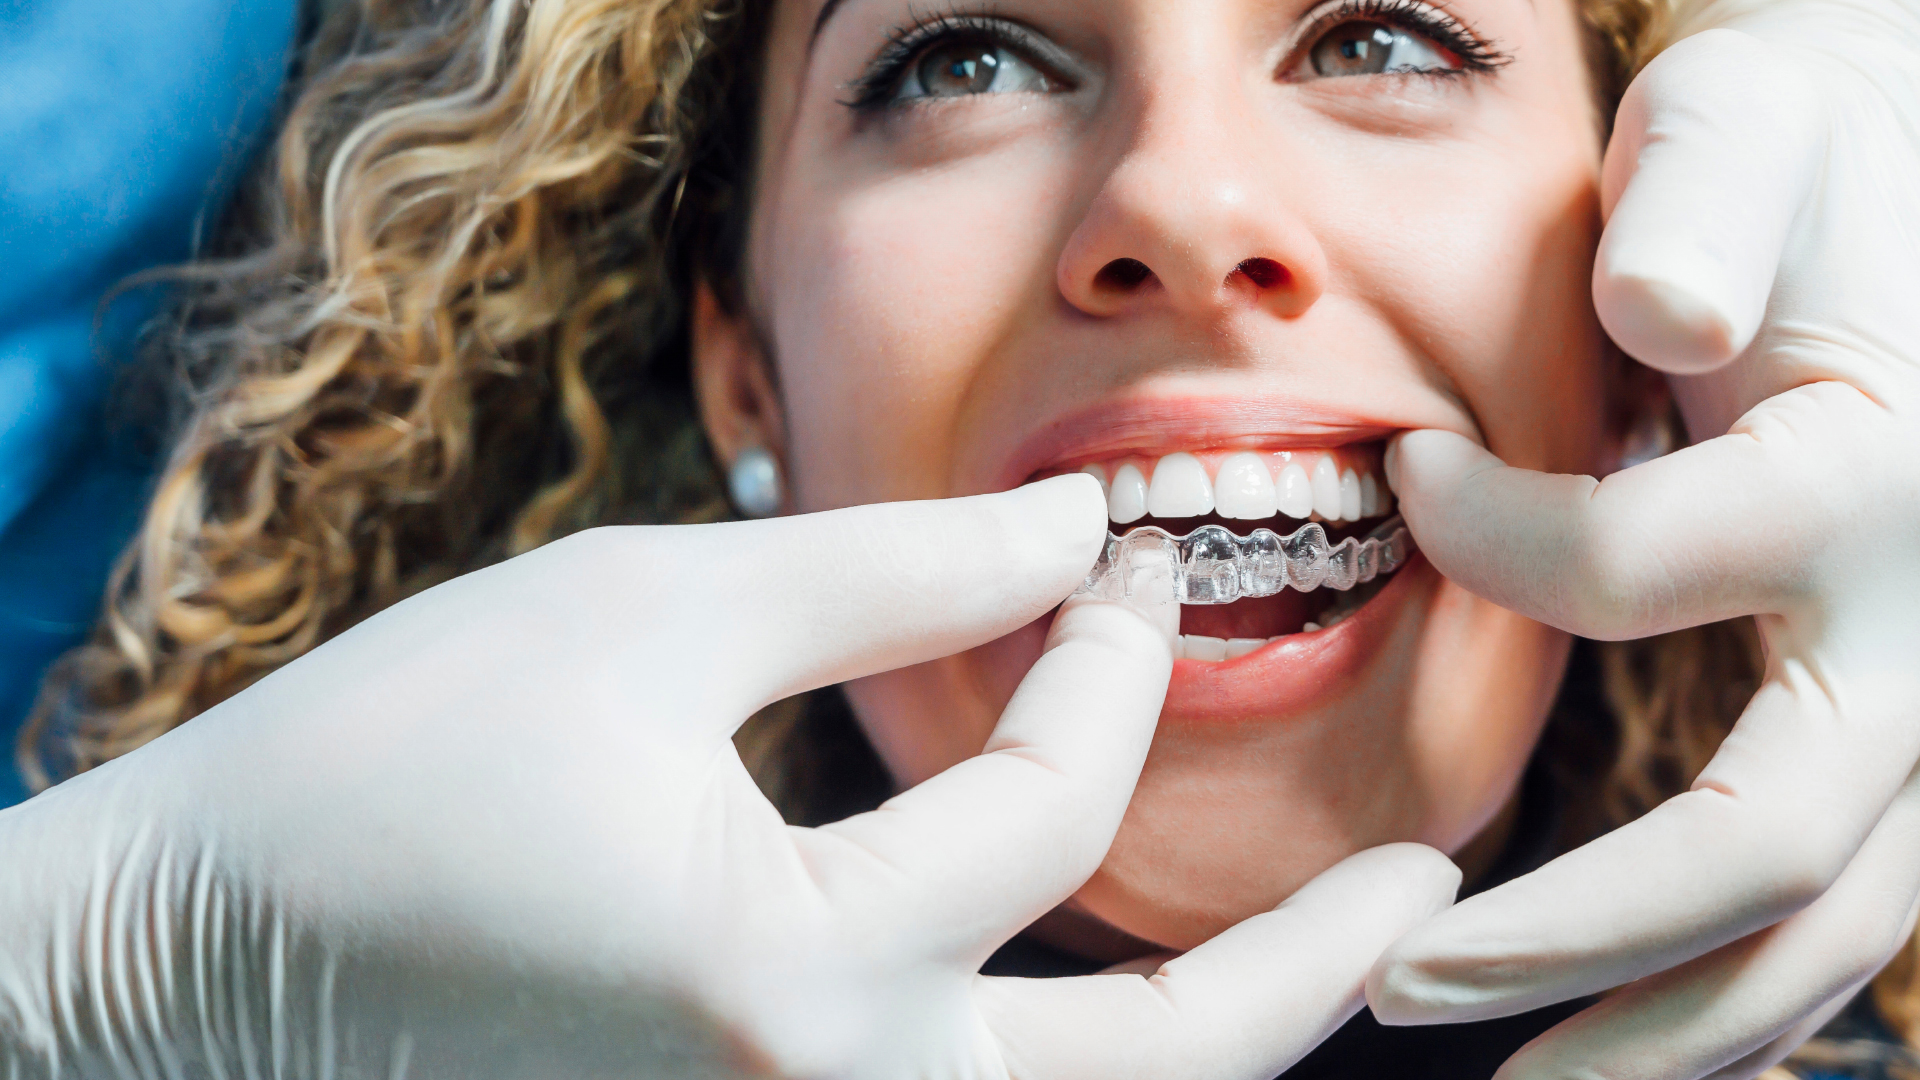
1191,217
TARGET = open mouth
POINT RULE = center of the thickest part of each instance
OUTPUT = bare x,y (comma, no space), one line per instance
1263,545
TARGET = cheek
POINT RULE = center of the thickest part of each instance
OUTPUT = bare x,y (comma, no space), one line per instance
1538,381
1483,685
894,301
1500,301
1427,746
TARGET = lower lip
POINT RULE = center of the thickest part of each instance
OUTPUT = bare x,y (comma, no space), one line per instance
1298,671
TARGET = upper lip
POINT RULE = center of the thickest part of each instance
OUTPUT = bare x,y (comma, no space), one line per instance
1150,426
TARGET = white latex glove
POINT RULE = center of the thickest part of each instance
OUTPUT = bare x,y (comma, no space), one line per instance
1751,907
499,830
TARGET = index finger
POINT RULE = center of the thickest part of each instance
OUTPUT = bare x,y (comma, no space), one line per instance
1766,829
1715,146
963,861
1245,1005
1743,524
752,612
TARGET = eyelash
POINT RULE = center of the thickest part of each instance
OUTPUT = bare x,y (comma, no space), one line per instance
873,91
1477,56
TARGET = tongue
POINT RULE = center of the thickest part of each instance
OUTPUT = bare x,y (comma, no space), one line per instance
1285,612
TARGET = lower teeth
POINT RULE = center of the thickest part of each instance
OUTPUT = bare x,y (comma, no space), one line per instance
1348,604
1213,566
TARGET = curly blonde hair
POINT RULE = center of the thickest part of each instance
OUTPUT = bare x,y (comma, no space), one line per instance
441,339
449,325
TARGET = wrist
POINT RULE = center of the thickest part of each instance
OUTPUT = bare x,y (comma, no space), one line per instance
45,911
93,935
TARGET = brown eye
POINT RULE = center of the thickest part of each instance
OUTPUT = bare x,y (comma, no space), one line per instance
1355,48
966,66
1371,48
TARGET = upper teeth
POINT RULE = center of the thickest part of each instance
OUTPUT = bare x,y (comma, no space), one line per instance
1245,486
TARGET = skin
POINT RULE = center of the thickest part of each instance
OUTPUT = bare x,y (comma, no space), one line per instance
925,304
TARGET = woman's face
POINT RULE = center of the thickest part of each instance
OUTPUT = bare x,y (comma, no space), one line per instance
1026,237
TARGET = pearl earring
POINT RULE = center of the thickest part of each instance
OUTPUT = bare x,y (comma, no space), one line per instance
754,482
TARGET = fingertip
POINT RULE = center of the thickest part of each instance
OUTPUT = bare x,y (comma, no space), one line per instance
1421,874
844,593
1401,988
1069,511
1051,529
1429,462
1401,992
1716,145
1675,318
1148,594
1429,869
1426,444
1150,606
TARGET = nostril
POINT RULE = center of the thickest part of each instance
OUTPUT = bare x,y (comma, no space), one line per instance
1122,274
1264,273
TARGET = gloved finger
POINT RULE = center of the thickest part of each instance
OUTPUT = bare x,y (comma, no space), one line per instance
1775,1052
961,862
758,611
1247,1004
1736,1010
1773,821
1732,526
1715,147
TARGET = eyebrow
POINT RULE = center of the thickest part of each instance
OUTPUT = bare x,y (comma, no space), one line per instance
826,12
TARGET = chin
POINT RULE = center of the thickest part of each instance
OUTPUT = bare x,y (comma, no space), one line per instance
1299,727
1412,720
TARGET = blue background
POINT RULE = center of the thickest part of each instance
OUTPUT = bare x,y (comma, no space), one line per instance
124,125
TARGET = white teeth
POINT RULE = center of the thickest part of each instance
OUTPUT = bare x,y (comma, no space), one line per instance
1127,501
1201,647
1214,650
1241,646
1326,489
1311,627
1295,491
1243,488
1180,488
1100,474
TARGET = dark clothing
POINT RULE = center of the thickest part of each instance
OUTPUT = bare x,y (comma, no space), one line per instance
1857,1045
845,777
1364,1048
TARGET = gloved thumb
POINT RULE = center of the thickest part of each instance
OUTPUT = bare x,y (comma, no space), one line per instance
1715,147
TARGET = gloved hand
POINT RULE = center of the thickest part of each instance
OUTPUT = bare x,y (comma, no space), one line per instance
1752,906
499,830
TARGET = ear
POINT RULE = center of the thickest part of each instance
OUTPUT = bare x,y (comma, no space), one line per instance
733,382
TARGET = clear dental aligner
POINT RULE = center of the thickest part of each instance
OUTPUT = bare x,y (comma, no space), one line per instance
1211,565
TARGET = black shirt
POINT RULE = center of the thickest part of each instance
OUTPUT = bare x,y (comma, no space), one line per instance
1364,1048
1856,1045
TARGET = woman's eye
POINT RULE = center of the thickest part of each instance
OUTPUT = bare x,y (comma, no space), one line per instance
1372,48
973,66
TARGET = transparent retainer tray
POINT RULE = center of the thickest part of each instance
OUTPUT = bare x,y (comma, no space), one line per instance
1210,565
